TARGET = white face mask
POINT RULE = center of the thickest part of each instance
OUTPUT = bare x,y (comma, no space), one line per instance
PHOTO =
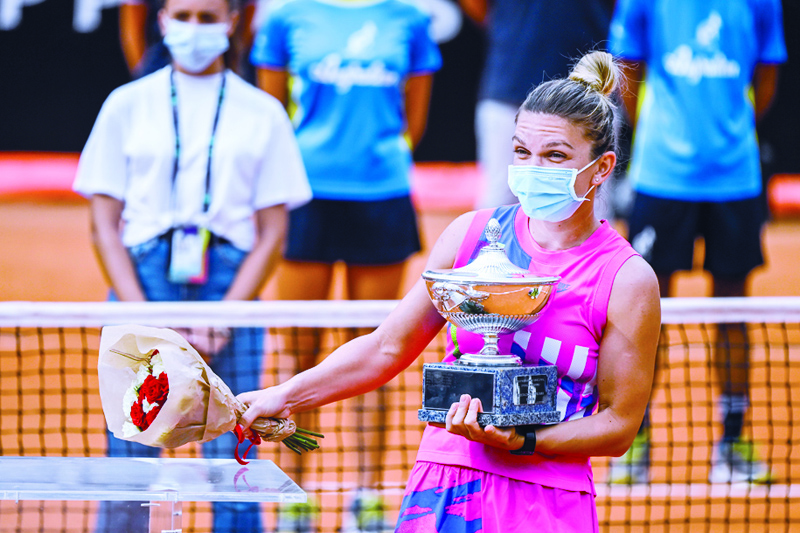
195,46
547,193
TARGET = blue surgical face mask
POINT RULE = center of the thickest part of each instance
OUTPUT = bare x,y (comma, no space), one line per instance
195,46
546,193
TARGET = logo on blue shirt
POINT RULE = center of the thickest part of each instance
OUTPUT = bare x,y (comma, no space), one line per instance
706,62
346,70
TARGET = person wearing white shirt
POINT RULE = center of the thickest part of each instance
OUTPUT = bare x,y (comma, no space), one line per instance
191,172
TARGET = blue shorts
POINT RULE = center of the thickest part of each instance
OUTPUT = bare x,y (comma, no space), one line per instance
664,231
382,232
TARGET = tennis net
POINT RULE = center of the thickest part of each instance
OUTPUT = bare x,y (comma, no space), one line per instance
49,407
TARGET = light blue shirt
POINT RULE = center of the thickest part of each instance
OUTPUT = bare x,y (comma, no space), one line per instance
695,135
349,62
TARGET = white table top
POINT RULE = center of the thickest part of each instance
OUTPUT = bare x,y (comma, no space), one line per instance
139,479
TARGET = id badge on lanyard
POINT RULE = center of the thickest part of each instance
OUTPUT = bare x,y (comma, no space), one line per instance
189,245
189,255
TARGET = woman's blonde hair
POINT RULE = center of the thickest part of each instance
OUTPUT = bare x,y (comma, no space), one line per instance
586,98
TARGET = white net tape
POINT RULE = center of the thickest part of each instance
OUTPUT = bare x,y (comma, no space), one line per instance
342,314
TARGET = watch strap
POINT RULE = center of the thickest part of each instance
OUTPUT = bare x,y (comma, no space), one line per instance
529,446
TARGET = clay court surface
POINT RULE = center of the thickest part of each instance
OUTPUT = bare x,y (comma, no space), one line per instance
46,254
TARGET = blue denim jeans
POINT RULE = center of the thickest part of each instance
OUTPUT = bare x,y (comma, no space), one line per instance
239,365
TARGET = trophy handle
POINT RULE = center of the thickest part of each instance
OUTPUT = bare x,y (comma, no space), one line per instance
451,295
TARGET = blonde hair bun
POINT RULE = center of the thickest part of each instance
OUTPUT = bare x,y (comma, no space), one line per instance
598,71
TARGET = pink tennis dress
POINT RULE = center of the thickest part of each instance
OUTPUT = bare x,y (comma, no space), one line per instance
461,486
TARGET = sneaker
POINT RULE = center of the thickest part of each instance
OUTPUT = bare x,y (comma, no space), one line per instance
634,466
738,462
297,517
366,514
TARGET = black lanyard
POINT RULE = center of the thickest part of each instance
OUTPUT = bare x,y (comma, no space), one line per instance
174,94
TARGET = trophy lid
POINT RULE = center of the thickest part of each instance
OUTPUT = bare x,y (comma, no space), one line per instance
491,266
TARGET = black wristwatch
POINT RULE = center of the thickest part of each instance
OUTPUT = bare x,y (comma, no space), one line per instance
529,446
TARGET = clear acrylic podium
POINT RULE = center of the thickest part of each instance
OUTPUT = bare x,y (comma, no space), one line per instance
160,484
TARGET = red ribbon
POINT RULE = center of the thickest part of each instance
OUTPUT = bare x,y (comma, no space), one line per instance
254,440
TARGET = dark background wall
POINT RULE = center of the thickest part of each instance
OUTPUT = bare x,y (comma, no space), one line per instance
53,81
780,142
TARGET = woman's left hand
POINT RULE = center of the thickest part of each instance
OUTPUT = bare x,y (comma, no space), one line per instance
462,419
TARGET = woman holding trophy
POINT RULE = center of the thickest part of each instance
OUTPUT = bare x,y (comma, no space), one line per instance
600,331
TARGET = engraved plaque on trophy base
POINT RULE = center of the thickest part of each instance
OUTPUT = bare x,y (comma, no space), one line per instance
510,395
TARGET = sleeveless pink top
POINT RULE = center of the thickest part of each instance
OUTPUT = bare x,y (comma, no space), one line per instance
567,335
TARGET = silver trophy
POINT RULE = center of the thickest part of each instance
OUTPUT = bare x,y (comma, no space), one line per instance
490,296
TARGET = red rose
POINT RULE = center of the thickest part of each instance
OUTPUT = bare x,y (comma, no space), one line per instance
151,415
138,417
155,389
164,382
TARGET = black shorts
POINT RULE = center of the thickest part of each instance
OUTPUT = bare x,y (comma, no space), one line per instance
664,232
382,232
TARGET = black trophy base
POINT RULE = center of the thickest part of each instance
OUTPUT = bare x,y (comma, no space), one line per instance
510,395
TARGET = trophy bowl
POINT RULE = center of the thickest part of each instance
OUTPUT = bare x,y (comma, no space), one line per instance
491,296
489,308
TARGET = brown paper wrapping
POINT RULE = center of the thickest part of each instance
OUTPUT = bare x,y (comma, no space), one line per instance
199,407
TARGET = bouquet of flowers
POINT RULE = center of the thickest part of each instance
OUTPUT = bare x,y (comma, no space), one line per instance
145,396
156,390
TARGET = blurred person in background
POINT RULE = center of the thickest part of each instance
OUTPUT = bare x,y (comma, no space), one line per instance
710,71
191,172
143,45
356,76
600,330
527,42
